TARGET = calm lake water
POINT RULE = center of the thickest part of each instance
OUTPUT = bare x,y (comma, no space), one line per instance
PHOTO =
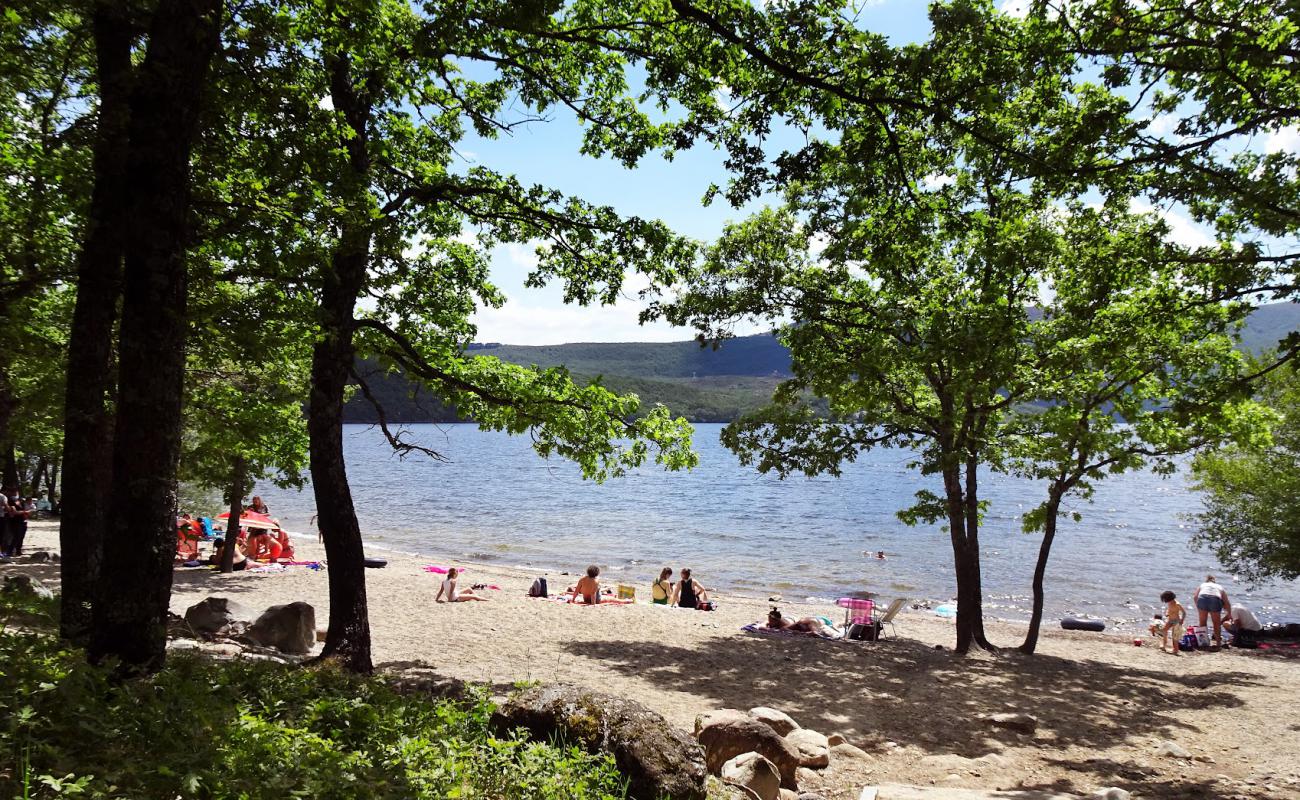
740,531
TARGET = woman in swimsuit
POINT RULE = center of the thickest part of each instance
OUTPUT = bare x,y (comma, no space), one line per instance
588,588
454,595
805,625
689,593
662,589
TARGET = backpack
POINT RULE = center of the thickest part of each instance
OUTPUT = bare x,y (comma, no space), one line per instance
538,589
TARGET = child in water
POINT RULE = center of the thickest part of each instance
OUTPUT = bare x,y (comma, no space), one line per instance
1175,615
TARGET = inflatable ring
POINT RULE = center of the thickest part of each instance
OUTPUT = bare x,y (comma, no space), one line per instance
1074,624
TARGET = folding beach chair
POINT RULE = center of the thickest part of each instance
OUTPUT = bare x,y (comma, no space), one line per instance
888,617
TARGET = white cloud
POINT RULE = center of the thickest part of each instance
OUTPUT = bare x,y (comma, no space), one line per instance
1284,140
1183,229
326,103
935,181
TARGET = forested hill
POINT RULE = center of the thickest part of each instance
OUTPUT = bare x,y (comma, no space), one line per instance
700,383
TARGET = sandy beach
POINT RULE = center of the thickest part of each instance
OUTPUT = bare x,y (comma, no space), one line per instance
1104,707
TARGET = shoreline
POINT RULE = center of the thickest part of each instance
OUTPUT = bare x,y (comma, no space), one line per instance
1103,706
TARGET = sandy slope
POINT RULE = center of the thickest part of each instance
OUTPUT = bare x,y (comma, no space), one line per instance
1102,704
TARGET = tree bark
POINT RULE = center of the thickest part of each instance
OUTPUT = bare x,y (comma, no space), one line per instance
87,427
11,480
52,484
238,479
957,533
38,475
1040,570
974,576
348,639
130,618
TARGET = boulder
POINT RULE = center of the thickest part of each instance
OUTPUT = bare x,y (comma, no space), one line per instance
1172,750
1020,723
804,775
755,773
787,794
1111,793
778,721
848,752
836,738
727,733
217,616
28,586
813,747
658,759
289,628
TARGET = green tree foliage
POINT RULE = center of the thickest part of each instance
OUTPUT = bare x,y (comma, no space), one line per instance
1251,521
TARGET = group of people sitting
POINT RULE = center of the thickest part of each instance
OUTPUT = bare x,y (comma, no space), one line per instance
250,545
685,593
1212,605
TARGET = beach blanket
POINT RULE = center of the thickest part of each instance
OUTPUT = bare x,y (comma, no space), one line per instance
761,629
266,568
605,600
438,569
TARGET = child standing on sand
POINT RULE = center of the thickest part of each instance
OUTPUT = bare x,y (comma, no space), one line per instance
1175,616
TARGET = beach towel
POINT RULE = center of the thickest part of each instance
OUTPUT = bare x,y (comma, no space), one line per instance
761,629
266,568
438,569
605,600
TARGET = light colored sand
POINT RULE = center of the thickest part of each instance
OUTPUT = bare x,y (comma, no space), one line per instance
1102,703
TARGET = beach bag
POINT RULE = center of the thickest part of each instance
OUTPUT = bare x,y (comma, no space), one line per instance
1188,642
864,632
538,589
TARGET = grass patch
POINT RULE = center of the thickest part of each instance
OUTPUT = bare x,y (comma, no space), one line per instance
256,730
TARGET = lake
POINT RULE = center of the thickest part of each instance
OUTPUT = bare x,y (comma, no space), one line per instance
496,501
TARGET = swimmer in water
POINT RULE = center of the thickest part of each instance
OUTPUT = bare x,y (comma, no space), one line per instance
880,555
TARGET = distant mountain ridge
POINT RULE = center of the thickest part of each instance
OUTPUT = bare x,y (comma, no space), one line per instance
699,383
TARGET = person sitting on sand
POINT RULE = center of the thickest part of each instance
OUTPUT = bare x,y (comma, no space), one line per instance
1175,616
689,593
588,587
777,621
453,594
281,537
263,547
218,545
662,590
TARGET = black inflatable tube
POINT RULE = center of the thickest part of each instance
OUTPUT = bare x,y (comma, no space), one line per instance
1073,624
375,562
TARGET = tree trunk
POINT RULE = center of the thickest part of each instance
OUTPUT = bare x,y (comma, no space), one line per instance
348,639
961,562
238,479
38,475
136,570
974,577
11,479
51,484
1040,570
87,426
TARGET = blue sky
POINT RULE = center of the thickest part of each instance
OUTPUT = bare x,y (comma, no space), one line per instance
547,153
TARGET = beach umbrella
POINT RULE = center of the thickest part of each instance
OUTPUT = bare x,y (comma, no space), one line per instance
252,519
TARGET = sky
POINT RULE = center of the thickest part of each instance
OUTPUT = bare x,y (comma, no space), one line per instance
547,153
671,191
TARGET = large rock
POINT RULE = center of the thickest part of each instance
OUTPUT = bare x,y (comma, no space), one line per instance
217,616
778,721
1020,723
658,759
289,628
848,752
813,747
755,773
726,733
27,585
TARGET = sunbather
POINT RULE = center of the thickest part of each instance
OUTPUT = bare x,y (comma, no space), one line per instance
453,594
588,587
777,621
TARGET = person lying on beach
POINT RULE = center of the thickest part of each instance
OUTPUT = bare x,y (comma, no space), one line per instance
662,589
777,621
588,588
454,595
689,593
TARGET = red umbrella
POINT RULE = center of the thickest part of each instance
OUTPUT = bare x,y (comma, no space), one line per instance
252,519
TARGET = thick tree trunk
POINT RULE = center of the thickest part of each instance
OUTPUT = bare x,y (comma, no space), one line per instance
11,479
38,475
136,574
87,426
238,481
348,639
961,561
1040,570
